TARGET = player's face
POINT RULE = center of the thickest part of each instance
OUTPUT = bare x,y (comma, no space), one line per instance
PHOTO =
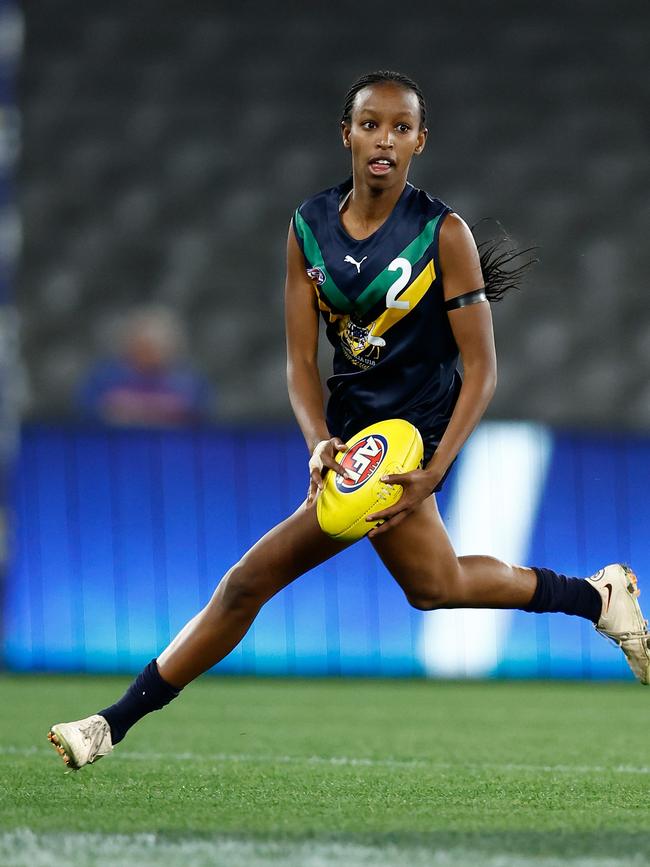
384,134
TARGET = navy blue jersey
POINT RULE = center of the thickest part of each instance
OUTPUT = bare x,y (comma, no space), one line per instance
382,301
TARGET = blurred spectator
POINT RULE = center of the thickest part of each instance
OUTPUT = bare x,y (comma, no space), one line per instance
148,383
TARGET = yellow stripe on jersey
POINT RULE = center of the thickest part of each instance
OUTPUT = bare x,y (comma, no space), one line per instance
413,295
361,341
326,309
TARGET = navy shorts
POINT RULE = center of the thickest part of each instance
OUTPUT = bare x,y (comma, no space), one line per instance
431,441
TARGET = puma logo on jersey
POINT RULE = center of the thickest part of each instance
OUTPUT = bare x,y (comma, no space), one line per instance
354,262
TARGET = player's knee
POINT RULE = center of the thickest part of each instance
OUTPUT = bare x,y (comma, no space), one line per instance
426,600
433,590
239,591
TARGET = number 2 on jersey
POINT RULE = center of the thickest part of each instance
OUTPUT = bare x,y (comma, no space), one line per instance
403,265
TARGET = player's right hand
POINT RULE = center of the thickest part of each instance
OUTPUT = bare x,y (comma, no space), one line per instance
323,459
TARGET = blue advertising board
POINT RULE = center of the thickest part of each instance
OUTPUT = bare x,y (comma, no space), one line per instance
120,537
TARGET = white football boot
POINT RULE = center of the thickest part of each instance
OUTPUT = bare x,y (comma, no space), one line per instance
621,619
82,742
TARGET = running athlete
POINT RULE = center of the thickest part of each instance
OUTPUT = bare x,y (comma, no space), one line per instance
397,277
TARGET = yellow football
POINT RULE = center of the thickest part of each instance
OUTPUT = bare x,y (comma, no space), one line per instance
381,449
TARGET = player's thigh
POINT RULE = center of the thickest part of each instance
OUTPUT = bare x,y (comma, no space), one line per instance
419,555
287,551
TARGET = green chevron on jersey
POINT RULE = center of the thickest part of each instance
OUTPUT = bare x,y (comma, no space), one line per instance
413,253
315,257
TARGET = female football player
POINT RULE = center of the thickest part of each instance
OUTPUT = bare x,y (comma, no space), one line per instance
397,277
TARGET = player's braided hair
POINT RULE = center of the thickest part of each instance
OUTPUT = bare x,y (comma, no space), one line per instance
379,77
501,272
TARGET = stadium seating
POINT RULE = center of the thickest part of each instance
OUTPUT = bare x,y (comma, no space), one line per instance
166,145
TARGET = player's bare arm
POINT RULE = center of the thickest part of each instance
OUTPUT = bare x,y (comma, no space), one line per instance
303,378
472,329
474,335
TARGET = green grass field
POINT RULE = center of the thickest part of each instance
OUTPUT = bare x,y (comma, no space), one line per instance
312,773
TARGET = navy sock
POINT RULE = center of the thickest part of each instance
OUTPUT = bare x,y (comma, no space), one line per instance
147,692
569,595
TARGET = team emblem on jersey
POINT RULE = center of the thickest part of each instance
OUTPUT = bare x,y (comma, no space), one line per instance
360,345
361,462
317,275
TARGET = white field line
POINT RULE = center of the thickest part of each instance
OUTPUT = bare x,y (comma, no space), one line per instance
24,848
349,761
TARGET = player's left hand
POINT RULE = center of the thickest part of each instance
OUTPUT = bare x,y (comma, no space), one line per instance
417,486
323,459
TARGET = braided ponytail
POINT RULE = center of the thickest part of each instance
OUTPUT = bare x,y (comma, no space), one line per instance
501,273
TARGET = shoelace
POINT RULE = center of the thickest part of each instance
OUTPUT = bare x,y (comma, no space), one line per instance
92,733
385,490
619,638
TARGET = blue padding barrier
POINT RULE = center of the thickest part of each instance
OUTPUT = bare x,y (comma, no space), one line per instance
120,537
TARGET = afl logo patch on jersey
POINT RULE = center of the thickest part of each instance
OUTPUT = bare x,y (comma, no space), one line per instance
317,275
361,462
